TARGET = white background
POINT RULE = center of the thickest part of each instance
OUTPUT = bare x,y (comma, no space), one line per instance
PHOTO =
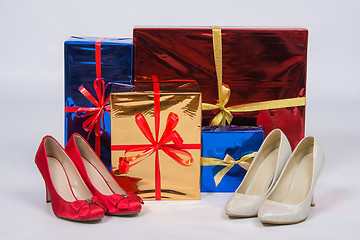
31,103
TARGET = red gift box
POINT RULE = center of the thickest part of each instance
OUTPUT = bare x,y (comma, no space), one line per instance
240,71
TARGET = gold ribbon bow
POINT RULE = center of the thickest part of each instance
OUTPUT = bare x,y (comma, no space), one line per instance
229,162
224,116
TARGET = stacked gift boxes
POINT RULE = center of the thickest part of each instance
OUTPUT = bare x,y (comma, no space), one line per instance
252,77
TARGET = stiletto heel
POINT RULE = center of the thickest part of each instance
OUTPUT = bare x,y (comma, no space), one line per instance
99,180
312,202
290,200
48,199
70,197
261,176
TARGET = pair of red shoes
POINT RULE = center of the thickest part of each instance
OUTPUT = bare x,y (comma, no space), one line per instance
78,184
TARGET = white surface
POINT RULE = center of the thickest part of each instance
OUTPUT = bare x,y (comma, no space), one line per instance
31,101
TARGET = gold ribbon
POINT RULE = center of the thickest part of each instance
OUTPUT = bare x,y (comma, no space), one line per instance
229,162
225,116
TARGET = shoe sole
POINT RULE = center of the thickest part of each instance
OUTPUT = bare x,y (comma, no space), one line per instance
81,220
122,214
282,223
240,216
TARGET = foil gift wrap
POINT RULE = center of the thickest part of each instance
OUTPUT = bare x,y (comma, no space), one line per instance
156,137
226,153
242,72
92,65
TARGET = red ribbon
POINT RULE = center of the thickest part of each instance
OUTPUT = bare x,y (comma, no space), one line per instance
175,151
95,115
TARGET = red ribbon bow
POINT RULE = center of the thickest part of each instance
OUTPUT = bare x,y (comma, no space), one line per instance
172,150
95,115
169,135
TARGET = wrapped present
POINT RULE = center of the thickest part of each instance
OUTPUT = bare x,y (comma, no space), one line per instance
91,64
156,137
241,72
227,152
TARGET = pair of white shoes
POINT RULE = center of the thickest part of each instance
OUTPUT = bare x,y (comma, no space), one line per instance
278,187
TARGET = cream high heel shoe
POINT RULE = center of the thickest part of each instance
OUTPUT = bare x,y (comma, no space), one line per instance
289,201
261,176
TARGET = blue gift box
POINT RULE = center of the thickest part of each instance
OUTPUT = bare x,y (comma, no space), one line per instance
86,95
219,141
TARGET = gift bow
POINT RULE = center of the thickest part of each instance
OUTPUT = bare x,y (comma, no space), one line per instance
169,135
229,162
95,120
225,116
95,114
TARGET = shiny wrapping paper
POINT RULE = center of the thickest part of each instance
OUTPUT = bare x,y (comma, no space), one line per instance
81,95
257,65
219,141
178,182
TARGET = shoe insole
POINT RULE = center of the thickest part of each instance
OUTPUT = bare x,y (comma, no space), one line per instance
301,181
264,174
60,179
100,181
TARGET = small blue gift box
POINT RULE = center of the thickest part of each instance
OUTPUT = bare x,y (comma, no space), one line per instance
217,143
91,66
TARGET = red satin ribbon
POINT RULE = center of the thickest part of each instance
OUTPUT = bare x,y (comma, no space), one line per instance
175,151
95,115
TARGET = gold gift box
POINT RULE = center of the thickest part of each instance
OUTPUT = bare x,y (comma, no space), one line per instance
177,181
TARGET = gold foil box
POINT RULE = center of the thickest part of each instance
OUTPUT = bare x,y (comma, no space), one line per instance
156,136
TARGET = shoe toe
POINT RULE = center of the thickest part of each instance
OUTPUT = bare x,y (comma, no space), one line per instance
97,211
124,204
135,202
279,213
242,205
87,211
134,206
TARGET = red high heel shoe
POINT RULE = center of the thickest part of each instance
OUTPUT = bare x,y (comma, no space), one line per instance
99,180
70,198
